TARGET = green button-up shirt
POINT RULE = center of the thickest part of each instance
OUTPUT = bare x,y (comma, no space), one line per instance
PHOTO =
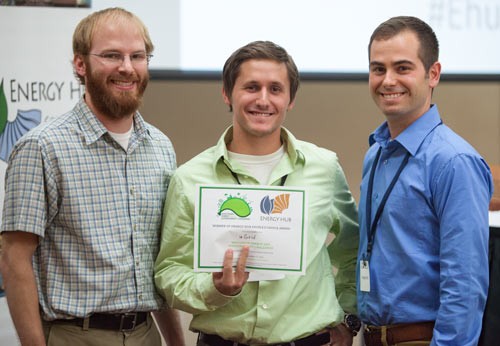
265,312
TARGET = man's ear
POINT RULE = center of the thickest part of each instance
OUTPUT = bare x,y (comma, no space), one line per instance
434,74
79,66
226,97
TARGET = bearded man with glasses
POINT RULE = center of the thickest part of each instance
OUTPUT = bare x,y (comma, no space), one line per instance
83,200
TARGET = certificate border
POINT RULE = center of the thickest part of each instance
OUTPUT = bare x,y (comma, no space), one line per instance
262,188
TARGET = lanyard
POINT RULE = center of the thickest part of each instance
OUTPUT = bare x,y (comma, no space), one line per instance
371,227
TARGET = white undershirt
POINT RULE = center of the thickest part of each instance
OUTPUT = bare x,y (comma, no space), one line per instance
260,167
122,138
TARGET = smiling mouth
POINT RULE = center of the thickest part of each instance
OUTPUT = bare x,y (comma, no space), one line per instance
391,95
258,114
123,83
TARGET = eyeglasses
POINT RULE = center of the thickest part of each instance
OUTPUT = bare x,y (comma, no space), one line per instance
114,58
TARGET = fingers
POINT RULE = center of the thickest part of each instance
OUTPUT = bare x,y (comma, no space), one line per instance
230,282
241,273
227,264
242,260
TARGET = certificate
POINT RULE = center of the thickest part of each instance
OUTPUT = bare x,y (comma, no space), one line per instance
271,220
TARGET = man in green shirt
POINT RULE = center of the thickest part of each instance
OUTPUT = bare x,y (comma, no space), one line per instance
229,307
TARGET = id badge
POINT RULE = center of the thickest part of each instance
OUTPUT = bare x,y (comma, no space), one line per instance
364,276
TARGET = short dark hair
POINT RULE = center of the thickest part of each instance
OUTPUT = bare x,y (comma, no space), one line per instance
428,51
265,50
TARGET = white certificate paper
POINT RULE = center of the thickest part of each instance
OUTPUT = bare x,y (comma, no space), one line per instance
271,220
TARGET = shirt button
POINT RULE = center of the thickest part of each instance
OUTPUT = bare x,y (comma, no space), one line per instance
386,162
265,306
131,190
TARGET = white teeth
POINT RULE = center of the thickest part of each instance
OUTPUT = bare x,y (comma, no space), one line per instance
391,96
122,83
262,114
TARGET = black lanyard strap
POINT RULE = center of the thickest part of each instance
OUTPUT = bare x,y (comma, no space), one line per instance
371,227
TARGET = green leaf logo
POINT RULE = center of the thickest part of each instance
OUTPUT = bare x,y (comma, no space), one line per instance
3,109
237,205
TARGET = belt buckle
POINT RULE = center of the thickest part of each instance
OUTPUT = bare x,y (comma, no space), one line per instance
124,317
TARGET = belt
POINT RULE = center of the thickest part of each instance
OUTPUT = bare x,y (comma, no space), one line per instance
311,340
125,322
396,333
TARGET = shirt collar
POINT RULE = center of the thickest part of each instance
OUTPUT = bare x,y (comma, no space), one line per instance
413,136
93,129
290,142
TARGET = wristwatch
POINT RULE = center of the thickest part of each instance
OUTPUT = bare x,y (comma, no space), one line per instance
353,323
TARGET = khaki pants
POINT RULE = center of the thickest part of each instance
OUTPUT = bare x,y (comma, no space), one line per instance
64,334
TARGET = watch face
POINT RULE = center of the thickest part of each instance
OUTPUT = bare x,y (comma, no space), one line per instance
353,322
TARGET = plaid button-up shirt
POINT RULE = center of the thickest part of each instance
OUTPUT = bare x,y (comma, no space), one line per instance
97,209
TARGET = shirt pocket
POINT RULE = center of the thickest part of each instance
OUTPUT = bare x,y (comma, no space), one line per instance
409,224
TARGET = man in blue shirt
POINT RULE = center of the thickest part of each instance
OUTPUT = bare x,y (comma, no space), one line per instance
423,212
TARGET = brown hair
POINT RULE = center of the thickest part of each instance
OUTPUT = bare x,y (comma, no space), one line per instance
265,50
428,51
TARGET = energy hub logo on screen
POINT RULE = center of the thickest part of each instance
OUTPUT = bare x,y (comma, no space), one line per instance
10,132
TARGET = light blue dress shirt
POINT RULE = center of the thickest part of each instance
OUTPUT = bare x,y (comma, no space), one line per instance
430,254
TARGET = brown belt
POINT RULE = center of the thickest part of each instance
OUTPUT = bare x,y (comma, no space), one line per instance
119,322
396,333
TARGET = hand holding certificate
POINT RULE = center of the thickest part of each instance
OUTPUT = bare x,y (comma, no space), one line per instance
228,282
270,220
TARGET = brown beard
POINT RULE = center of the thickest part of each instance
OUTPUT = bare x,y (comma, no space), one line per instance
112,105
